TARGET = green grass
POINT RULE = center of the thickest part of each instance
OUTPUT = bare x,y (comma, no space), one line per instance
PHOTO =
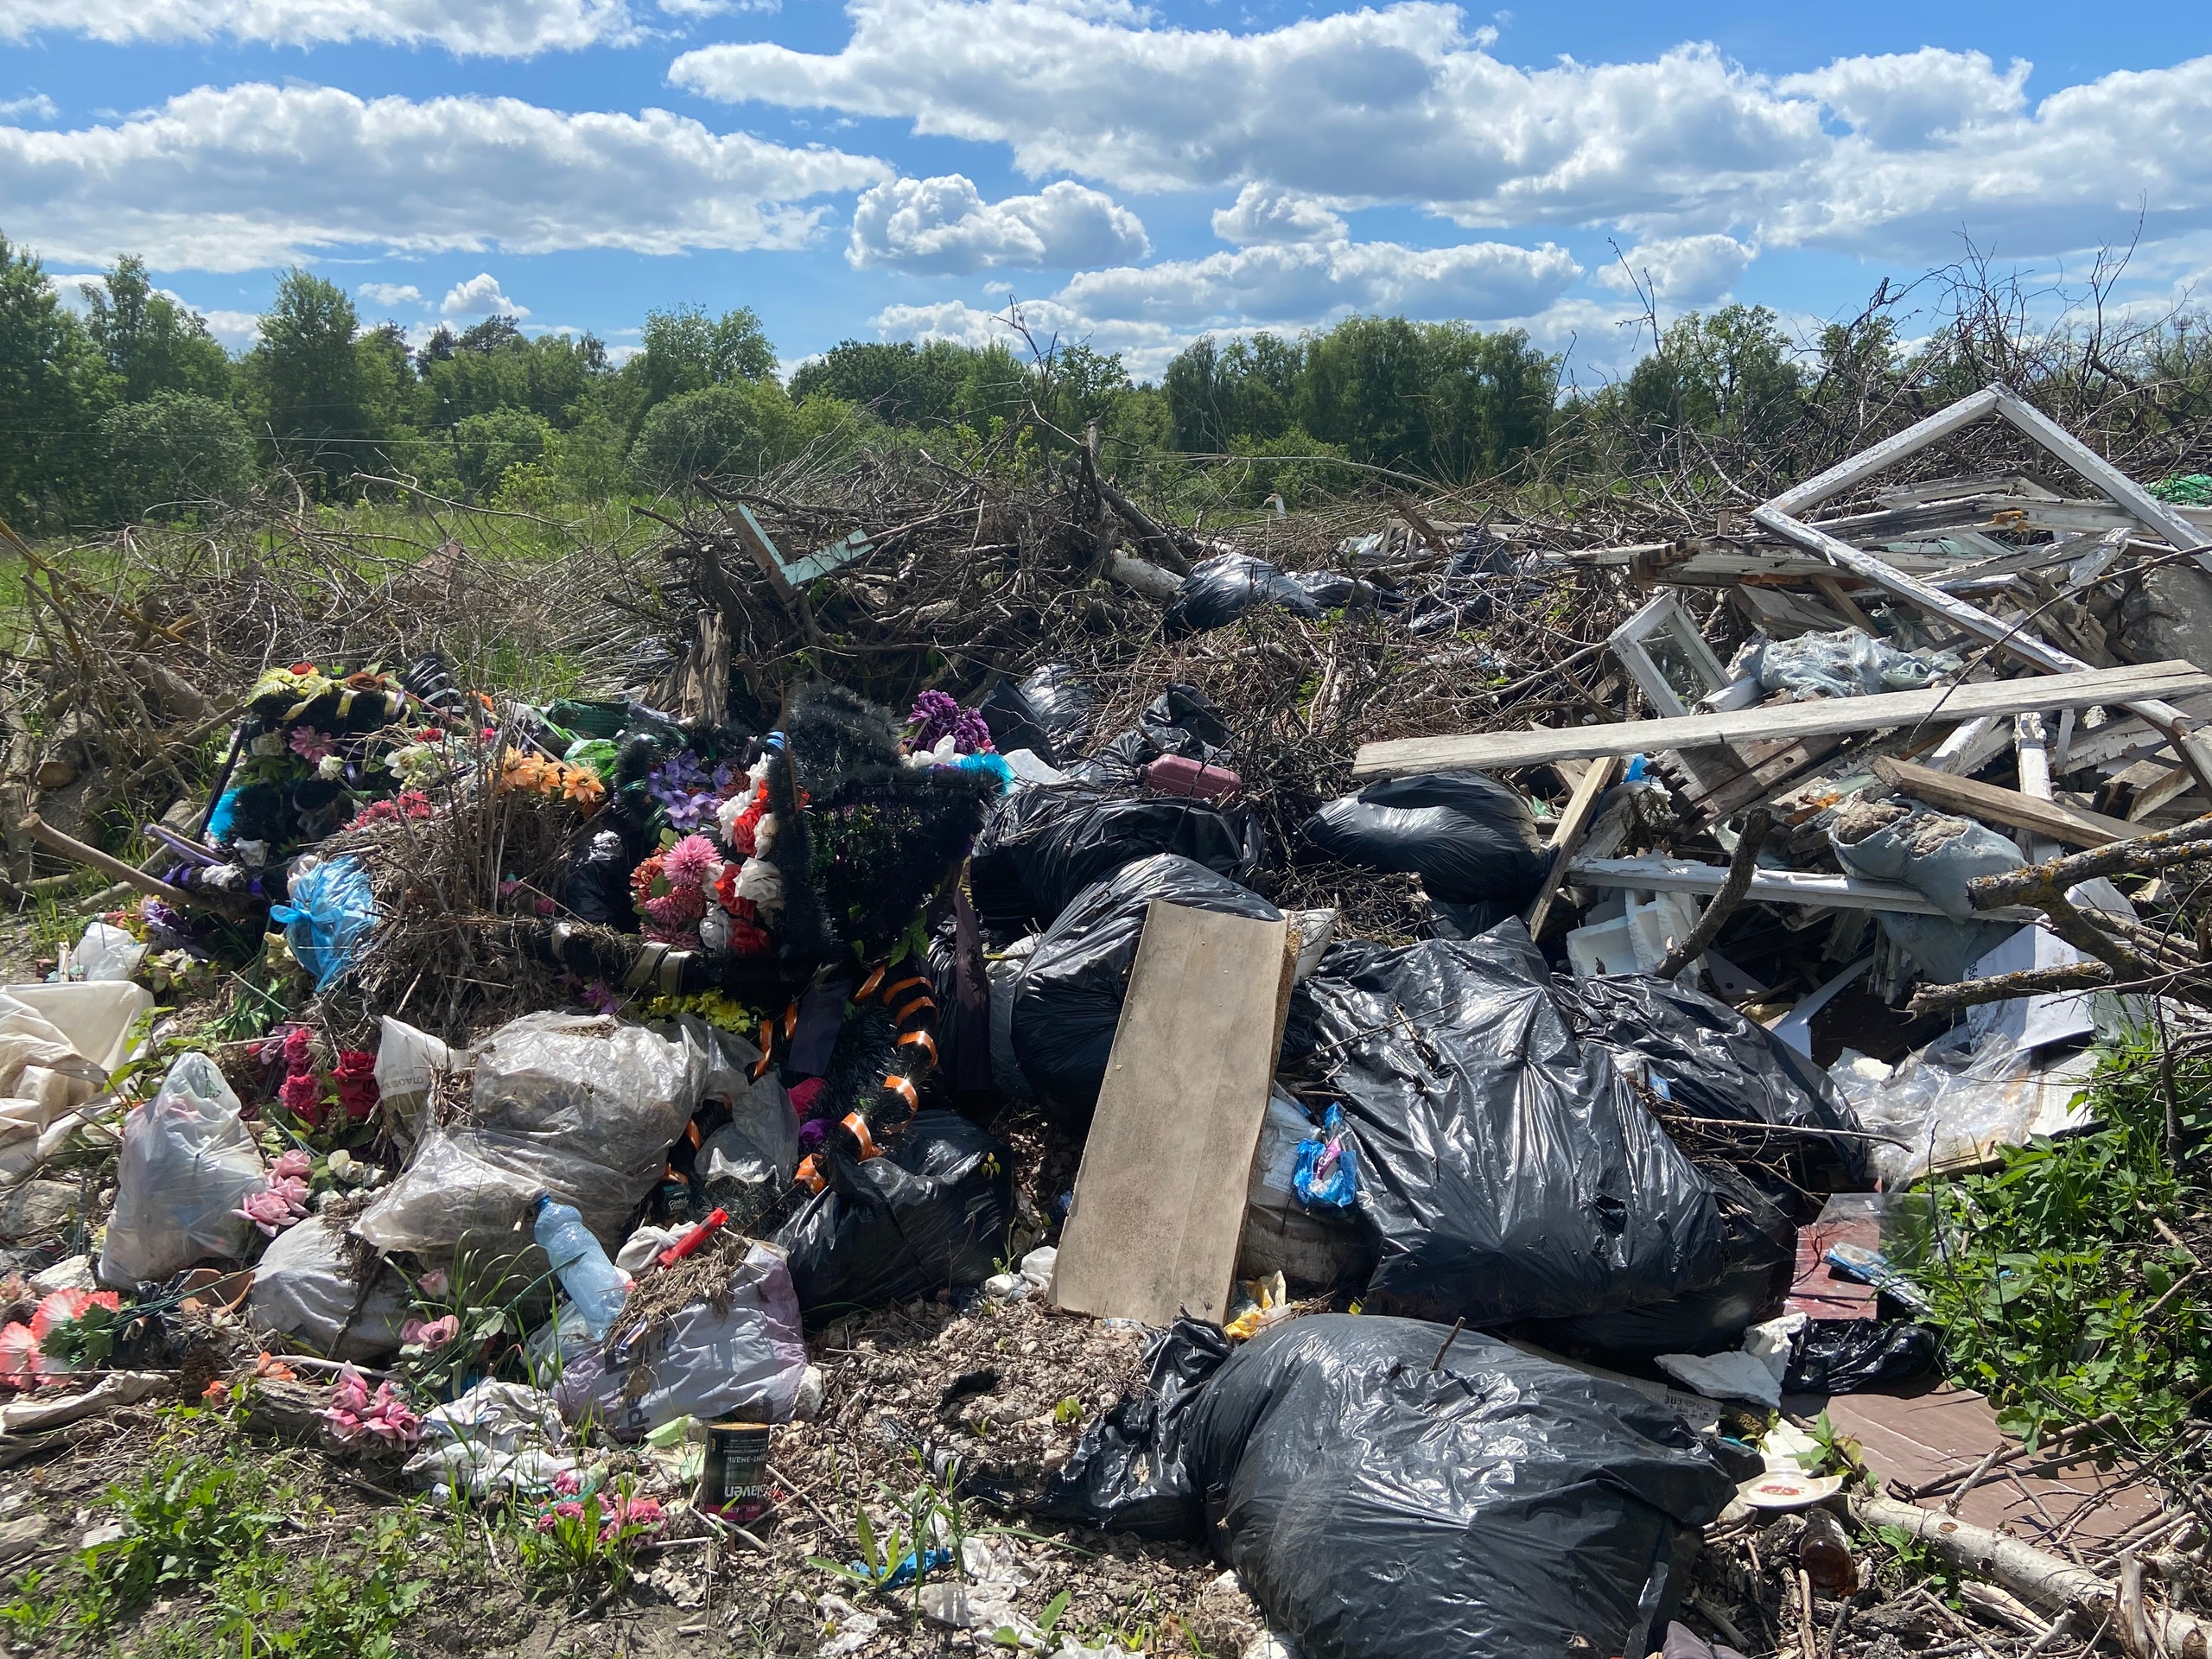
2051,1276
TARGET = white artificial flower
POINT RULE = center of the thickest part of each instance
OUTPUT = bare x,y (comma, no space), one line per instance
764,835
727,813
713,928
330,767
761,882
269,743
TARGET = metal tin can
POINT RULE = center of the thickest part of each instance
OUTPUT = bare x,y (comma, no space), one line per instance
733,1480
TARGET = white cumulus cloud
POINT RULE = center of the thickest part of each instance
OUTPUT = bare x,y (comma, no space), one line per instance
390,293
1404,104
254,176
944,224
1682,270
1264,213
486,27
480,296
35,106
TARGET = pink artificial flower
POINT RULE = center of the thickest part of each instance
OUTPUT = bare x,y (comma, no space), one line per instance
292,1166
61,1307
432,1333
433,1283
277,1207
353,1414
311,744
21,1364
566,1482
690,863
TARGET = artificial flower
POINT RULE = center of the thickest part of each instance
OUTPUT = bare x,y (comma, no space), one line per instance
21,1363
302,1096
691,863
353,1415
330,768
293,1165
431,1333
762,884
433,1283
355,1076
312,745
61,1307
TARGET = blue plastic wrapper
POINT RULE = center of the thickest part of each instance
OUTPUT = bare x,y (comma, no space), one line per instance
332,910
1327,1177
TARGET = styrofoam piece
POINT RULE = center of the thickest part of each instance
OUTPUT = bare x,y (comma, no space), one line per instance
94,1015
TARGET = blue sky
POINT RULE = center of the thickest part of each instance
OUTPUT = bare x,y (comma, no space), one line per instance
1137,175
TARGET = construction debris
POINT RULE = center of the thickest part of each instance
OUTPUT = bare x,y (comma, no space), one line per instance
959,919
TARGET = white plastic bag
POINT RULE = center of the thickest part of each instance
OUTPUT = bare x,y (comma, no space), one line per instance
583,1107
187,1164
737,1356
106,952
303,1287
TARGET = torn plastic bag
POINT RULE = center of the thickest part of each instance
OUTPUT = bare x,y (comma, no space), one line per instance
1846,1356
1220,589
1468,836
583,1107
1714,1062
1757,1254
1332,590
1181,719
758,1148
1507,1170
1308,1244
1068,1001
1938,854
1043,847
930,1215
1126,1473
338,1297
1005,969
1848,662
1376,1502
187,1164
737,1354
331,912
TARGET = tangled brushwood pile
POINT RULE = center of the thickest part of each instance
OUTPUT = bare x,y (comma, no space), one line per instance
918,1056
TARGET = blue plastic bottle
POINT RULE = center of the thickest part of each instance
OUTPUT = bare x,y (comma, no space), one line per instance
597,1288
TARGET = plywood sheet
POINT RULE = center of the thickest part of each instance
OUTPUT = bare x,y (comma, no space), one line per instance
1159,1209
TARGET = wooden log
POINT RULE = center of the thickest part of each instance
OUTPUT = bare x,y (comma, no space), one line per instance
2041,1580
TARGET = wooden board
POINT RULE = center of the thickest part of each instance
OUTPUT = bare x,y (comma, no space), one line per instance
1159,1209
2006,806
2085,688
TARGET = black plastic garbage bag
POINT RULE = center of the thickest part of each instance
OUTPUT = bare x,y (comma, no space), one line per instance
1468,836
1068,1000
1064,706
1452,921
1220,589
1044,845
1496,1506
930,1215
1757,1254
1507,1171
1714,1062
1181,719
1126,1474
1014,724
1844,1356
1332,590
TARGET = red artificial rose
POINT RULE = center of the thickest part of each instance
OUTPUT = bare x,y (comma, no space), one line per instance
303,1096
356,1084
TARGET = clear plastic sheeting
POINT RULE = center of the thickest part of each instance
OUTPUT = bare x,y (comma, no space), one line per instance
1384,1488
736,1354
1282,1234
1955,1102
187,1164
581,1107
1845,663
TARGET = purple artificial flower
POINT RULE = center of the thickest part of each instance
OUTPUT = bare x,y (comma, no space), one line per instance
934,712
971,734
685,790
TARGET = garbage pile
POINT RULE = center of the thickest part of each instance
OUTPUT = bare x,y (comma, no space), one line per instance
583,1065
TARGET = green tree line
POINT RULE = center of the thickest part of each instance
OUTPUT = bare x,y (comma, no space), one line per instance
130,408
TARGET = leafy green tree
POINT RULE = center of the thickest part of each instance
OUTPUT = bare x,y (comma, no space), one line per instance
899,382
172,452
1730,376
309,392
492,443
150,342
716,429
1216,395
53,386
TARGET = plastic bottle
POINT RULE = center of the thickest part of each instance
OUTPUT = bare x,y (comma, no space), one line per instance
596,1287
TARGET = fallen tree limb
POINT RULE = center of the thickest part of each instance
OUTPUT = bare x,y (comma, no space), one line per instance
2144,854
1998,987
1741,865
2041,1580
